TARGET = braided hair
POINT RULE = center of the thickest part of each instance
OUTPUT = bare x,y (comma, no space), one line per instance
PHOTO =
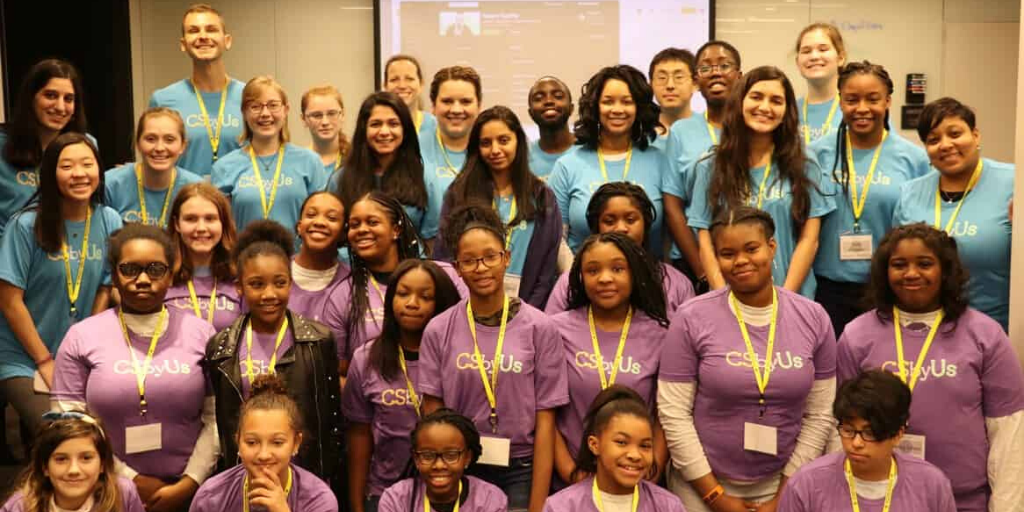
845,73
446,416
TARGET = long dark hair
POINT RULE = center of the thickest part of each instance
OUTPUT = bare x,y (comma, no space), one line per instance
446,416
475,180
403,180
23,149
730,181
845,73
384,351
609,403
588,126
647,295
636,195
49,226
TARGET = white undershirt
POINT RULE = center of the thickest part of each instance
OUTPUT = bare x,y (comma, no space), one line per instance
872,490
142,325
312,280
615,158
755,316
202,271
615,502
86,507
907,318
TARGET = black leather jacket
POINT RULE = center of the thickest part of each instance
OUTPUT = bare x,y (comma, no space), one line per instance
310,372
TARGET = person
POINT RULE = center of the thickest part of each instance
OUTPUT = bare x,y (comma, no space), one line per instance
760,136
620,207
497,172
517,411
160,417
404,77
612,332
385,159
869,163
616,126
734,439
716,70
203,274
820,54
445,443
71,467
142,191
380,400
271,339
50,102
323,112
270,432
967,381
455,93
278,173
550,106
54,247
316,270
209,100
671,74
971,195
872,409
618,449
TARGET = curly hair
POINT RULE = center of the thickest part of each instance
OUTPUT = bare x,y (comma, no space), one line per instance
588,125
877,397
473,215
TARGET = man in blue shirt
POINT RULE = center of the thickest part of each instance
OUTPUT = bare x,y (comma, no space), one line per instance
550,106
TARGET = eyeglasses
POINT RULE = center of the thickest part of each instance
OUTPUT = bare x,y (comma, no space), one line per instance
273,106
708,70
848,432
429,456
331,115
489,261
679,78
155,269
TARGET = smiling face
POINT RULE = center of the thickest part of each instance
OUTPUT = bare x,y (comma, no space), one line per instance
481,244
865,101
267,442
264,283
915,276
74,469
321,222
204,39
953,147
403,80
414,300
266,114
616,108
78,173
441,477
371,233
624,450
384,131
323,116
764,106
161,143
745,256
715,83
456,108
673,84
549,104
199,225
498,145
607,278
142,293
817,56
54,104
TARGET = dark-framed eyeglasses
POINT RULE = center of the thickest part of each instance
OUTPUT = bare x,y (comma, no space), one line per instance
489,261
430,456
848,432
154,269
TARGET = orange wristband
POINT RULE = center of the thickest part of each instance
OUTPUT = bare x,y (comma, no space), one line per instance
715,493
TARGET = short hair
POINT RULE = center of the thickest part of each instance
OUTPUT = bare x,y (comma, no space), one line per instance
472,215
670,54
405,57
875,396
198,8
937,111
728,47
446,416
136,231
450,73
252,90
743,215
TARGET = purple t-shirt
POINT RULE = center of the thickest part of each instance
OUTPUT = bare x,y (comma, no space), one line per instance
971,374
223,493
311,304
532,376
822,485
638,369
704,345
262,353
94,366
228,304
678,289
384,405
130,501
579,497
482,497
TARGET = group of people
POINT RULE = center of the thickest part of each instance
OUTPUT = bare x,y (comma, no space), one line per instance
439,314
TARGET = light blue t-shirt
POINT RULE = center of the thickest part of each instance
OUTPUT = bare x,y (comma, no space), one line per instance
778,200
817,114
302,173
181,96
899,162
522,233
982,231
429,124
16,186
122,194
688,140
415,213
578,174
440,166
42,277
661,142
542,162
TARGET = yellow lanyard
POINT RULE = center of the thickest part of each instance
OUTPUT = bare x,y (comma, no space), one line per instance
762,379
426,500
444,152
608,381
273,358
195,301
245,489
490,387
413,397
711,130
924,349
511,216
888,491
259,180
764,182
418,120
828,120
214,137
600,506
376,286
73,290
604,170
142,198
142,371
337,159
858,206
938,199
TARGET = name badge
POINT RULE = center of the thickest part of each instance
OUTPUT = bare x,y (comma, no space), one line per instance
912,445
144,438
496,451
760,438
512,285
854,247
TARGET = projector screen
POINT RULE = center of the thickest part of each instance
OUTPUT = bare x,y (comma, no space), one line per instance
511,43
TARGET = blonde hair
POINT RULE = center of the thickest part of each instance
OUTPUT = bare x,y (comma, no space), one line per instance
830,30
251,92
329,91
198,8
140,128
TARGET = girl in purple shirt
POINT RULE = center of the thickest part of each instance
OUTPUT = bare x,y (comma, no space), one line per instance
72,468
316,270
380,401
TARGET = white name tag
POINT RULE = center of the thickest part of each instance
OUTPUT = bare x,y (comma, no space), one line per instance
912,445
495,451
760,438
855,247
144,438
512,285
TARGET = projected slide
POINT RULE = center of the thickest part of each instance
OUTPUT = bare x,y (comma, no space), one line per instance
512,43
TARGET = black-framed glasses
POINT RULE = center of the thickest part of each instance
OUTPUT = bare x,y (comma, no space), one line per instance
154,269
848,432
708,69
430,456
489,261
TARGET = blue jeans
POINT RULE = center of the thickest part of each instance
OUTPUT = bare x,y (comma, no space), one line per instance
515,480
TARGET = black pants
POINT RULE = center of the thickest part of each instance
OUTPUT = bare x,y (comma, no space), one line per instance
842,301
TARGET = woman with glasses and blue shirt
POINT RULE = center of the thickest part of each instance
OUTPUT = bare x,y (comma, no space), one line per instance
323,113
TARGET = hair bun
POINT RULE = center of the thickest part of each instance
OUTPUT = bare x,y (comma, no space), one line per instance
265,231
268,384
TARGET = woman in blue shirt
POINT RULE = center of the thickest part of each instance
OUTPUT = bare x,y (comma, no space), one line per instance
820,55
323,112
404,77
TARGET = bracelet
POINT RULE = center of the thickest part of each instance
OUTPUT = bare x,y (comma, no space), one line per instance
715,493
44,360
